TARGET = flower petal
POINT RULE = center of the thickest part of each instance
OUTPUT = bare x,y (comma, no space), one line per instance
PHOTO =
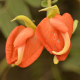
23,36
20,55
33,49
59,17
58,24
64,56
9,44
69,22
49,36
66,45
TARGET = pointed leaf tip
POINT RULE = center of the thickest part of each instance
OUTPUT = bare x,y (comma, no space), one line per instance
66,46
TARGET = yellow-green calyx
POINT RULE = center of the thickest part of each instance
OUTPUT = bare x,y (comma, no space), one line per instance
52,11
75,24
27,21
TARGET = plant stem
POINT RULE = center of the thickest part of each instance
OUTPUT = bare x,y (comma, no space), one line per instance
56,73
5,73
49,5
3,66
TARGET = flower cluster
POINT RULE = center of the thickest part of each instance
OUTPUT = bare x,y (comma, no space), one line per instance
24,45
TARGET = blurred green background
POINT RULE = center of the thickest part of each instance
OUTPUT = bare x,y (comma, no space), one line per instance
43,68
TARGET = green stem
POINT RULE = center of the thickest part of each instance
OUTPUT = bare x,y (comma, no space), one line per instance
5,73
49,5
3,66
56,73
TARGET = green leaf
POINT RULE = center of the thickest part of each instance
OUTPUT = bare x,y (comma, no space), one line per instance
34,3
5,21
18,7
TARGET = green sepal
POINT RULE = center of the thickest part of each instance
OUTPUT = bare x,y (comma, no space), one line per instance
75,24
53,12
27,21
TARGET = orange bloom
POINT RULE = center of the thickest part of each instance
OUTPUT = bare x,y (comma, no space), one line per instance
22,47
55,34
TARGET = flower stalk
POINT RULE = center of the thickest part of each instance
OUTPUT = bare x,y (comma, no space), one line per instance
49,5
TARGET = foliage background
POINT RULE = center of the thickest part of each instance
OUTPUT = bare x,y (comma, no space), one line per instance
43,68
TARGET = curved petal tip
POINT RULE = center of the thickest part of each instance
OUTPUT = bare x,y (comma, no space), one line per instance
66,46
20,55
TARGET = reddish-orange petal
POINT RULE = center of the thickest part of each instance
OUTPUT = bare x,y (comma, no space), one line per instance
59,17
9,44
50,33
67,19
23,36
58,24
50,37
69,22
33,49
64,56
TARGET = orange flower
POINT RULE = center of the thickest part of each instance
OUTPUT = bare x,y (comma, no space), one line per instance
22,47
55,34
